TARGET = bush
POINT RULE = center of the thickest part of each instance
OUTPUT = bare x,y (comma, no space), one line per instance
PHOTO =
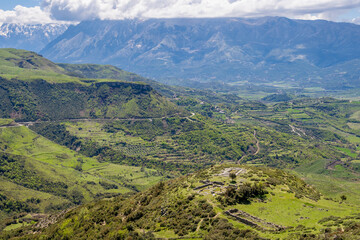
244,193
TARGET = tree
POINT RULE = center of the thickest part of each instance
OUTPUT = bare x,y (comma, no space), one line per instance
233,177
343,197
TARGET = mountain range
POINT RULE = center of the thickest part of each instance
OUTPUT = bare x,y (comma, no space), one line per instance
31,37
269,50
260,50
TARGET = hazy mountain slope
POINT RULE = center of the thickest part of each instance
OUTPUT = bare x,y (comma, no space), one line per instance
260,203
31,37
309,53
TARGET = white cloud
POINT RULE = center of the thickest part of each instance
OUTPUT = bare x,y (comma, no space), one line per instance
75,10
22,14
119,9
78,10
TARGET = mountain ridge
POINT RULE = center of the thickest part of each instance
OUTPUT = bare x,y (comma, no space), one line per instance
225,49
31,37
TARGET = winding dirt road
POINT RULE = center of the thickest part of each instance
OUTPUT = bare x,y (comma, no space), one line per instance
19,124
257,144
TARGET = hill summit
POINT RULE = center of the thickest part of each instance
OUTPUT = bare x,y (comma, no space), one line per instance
223,202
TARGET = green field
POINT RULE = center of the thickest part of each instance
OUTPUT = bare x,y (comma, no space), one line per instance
355,126
21,141
5,122
356,115
349,152
332,183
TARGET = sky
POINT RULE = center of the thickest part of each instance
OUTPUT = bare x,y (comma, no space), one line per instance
73,11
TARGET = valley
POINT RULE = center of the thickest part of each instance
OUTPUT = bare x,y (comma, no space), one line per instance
93,152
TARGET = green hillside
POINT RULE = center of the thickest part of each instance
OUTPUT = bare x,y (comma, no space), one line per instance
28,66
46,177
257,203
33,88
173,145
40,176
185,144
321,130
75,134
96,71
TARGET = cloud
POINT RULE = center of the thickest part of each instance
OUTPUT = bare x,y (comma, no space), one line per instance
22,14
78,10
75,10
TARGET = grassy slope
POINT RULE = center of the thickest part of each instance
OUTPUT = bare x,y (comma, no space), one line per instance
321,126
160,141
95,71
20,193
171,144
332,182
99,72
27,66
35,88
5,122
177,210
56,163
32,87
104,99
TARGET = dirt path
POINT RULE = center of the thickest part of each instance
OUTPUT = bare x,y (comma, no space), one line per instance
26,124
199,225
218,214
95,120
